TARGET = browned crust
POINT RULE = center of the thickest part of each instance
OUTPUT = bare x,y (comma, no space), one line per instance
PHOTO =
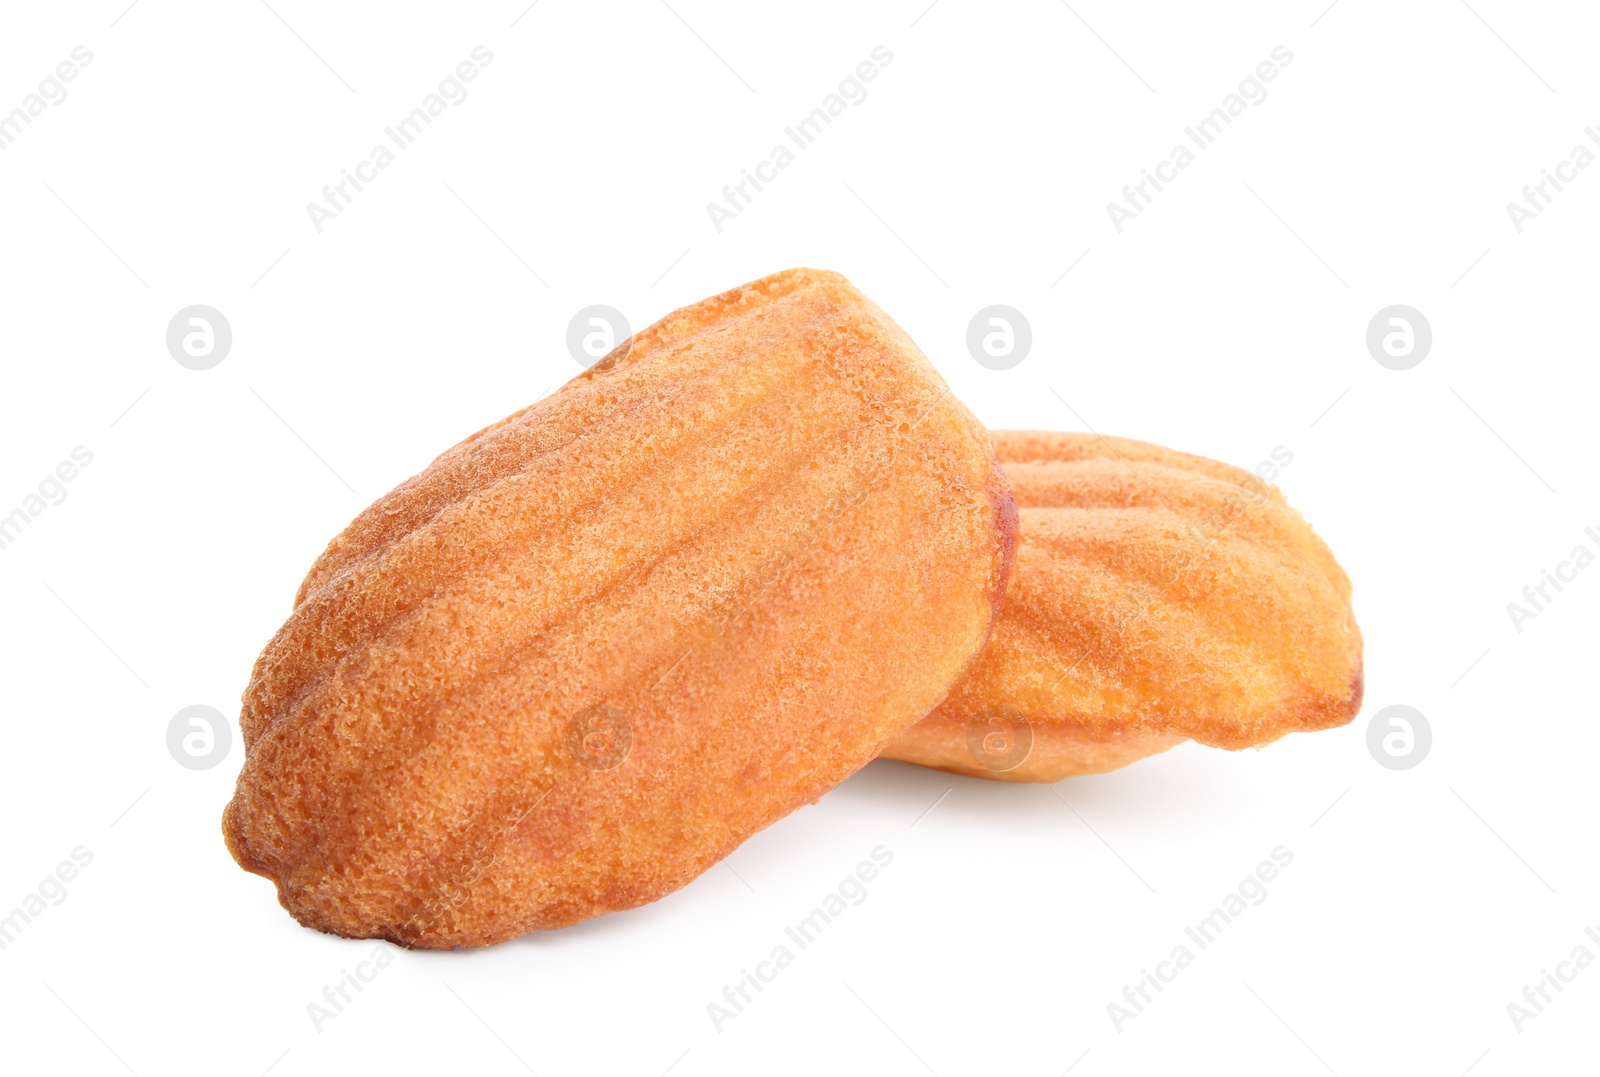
1004,505
410,505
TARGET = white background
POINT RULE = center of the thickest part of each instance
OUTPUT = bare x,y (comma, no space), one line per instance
1226,320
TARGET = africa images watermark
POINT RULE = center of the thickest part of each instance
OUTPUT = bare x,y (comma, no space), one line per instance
852,90
1252,890
52,490
52,91
452,90
1537,995
337,995
1252,90
52,888
1566,572
1565,172
852,889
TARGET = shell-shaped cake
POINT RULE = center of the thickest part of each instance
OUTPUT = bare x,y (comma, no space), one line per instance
1157,597
591,649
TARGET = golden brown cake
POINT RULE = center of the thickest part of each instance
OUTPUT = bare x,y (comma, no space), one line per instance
592,648
1157,597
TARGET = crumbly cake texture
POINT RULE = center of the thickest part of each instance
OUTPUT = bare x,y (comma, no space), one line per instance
1158,597
592,648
